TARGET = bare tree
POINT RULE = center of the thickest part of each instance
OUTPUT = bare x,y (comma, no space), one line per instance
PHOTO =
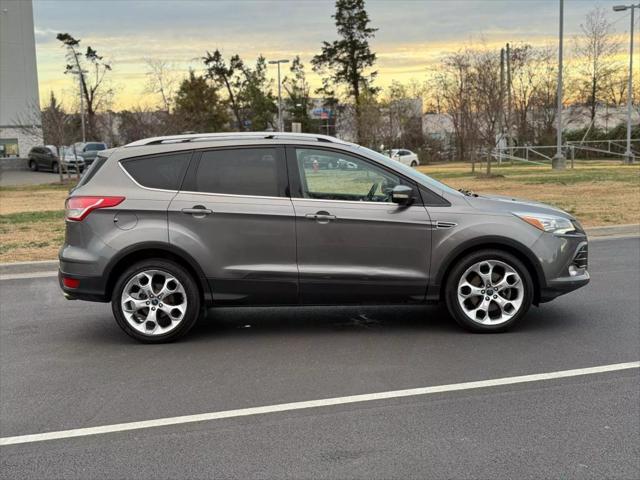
401,121
91,69
161,80
451,84
51,124
595,50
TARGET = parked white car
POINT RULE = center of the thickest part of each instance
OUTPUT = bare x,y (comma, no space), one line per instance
71,160
405,156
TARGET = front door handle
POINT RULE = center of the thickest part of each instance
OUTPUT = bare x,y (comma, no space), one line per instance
198,211
321,217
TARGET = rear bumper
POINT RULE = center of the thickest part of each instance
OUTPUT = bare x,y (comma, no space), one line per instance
90,288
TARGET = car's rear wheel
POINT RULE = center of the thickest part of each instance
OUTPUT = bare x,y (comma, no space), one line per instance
156,301
33,166
55,167
414,164
489,291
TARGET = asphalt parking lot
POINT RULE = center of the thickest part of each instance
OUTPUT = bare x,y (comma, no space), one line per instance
10,178
66,365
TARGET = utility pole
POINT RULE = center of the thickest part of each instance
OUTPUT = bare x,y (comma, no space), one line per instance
500,115
628,156
509,122
558,162
280,122
84,134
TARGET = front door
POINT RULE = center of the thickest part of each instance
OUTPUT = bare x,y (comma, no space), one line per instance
232,214
354,244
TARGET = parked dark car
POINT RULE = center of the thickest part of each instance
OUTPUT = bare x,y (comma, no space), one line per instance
89,150
43,157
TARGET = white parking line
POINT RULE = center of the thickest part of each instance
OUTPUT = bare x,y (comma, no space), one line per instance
283,407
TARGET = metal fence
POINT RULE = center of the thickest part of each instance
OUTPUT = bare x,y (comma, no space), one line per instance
543,154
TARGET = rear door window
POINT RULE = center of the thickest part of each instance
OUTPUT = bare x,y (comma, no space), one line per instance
256,171
159,171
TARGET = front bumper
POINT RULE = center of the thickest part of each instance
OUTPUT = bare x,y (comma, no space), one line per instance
73,166
565,264
560,286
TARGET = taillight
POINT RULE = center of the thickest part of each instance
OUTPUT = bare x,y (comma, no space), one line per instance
77,208
70,282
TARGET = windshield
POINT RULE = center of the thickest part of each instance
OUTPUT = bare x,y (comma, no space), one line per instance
411,172
95,146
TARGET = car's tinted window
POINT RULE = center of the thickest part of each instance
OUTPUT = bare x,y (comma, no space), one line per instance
336,176
239,171
159,171
91,147
430,198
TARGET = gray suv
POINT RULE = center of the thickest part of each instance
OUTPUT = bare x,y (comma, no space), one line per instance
165,227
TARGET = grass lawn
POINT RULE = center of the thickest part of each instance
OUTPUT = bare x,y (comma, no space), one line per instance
31,222
598,193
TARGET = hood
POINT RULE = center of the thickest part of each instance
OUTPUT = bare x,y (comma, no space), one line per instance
509,204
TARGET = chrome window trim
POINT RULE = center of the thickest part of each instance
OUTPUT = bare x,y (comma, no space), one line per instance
355,202
235,195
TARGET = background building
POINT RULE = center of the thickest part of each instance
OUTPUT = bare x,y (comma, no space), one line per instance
20,127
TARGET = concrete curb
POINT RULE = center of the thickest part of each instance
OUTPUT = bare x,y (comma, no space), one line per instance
48,266
28,267
614,230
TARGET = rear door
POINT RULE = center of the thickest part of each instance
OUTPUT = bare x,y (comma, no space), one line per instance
233,215
354,244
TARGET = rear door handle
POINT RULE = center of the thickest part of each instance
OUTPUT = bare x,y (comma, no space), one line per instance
197,211
321,217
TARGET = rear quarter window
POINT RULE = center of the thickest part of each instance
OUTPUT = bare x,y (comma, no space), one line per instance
158,171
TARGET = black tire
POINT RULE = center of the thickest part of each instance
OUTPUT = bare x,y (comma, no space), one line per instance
414,164
33,165
55,167
192,312
451,289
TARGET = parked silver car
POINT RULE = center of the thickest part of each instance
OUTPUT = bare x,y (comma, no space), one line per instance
164,227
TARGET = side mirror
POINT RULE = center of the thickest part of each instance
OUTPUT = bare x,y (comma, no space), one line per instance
402,195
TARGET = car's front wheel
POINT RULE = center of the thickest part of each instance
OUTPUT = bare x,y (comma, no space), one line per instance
489,291
55,168
156,301
33,166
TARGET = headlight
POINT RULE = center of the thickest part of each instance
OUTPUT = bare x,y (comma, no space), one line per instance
547,223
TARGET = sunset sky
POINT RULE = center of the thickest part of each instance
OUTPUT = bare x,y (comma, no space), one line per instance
412,34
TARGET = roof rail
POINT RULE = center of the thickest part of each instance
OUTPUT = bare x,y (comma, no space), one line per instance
204,137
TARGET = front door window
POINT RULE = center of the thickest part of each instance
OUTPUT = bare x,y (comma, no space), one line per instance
329,175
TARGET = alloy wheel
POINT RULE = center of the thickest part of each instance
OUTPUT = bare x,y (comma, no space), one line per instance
490,292
153,302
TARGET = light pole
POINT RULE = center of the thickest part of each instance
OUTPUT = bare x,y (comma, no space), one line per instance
79,73
628,156
278,62
558,162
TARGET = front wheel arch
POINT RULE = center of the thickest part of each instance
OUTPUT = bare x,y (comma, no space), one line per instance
530,263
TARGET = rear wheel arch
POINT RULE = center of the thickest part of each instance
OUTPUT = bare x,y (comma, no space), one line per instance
516,249
135,253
